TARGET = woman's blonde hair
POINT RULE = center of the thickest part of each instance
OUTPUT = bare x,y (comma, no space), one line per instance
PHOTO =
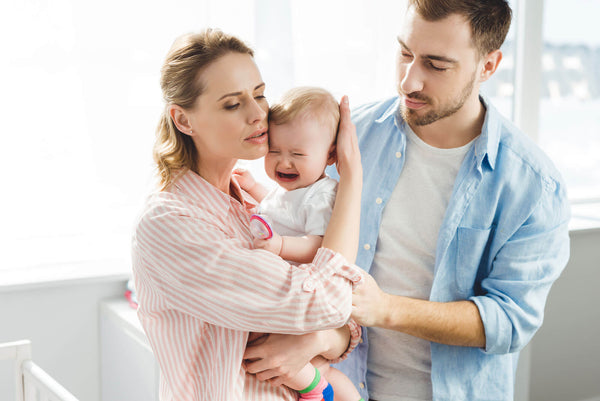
189,55
315,101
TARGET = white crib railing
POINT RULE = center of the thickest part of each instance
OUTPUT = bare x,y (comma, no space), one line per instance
32,383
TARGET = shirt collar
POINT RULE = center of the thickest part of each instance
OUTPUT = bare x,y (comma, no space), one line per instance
390,111
199,190
486,146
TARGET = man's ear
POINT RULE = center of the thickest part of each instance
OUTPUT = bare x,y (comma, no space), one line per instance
490,64
332,158
180,119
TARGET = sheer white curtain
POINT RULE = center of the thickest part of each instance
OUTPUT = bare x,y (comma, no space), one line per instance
80,100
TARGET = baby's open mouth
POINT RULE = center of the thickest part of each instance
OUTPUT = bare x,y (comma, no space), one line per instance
286,177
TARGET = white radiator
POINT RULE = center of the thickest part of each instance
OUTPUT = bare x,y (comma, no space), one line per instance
32,383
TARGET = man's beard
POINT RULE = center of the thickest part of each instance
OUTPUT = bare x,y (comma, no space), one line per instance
412,117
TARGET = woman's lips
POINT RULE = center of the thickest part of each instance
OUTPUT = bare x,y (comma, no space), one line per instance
258,137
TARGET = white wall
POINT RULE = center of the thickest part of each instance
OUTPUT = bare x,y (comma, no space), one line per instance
565,353
61,320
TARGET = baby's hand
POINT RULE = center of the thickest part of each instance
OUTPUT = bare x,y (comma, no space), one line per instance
272,244
245,179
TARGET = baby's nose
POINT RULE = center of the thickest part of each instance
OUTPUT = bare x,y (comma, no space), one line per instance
285,162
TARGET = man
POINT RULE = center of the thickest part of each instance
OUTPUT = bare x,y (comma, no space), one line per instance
464,220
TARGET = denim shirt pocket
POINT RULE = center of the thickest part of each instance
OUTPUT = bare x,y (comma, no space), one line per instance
471,259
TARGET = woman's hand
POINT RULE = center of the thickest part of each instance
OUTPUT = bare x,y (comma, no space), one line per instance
343,228
347,152
279,357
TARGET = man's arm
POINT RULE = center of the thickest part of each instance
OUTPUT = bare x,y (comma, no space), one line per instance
452,323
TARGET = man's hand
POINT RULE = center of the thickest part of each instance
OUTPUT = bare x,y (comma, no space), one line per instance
369,303
272,244
280,356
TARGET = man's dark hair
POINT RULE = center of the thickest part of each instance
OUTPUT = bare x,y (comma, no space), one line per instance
489,19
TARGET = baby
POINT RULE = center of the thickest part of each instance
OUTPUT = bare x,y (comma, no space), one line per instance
302,137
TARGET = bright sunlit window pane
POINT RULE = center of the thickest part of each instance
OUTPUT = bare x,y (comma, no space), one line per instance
570,99
80,102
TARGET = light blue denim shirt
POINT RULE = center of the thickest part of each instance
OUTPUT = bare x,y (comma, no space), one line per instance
503,242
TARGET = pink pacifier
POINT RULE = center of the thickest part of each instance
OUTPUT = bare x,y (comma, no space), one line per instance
259,227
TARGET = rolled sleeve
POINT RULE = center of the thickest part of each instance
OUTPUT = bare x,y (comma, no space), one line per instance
326,264
523,272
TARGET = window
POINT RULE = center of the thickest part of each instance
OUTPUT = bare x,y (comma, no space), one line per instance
81,100
570,97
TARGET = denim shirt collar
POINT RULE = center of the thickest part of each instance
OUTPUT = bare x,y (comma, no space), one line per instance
486,146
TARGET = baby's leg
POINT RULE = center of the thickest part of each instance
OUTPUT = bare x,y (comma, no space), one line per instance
343,388
309,383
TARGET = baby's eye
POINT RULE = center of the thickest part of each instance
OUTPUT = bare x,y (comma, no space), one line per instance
298,154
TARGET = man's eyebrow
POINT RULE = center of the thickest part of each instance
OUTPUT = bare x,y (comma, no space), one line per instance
431,56
239,93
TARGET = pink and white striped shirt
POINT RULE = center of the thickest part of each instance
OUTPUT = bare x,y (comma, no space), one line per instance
202,288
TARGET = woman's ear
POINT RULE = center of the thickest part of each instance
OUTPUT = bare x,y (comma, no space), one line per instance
332,158
180,119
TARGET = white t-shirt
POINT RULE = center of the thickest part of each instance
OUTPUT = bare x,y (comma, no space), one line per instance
303,211
400,364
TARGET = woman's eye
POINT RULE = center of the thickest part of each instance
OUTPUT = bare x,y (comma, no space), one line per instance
232,106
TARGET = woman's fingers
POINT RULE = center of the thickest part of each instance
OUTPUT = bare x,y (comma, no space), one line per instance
348,154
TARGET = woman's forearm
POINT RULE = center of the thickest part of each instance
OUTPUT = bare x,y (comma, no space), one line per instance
343,229
342,232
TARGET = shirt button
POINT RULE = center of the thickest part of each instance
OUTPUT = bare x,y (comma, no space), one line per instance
378,201
367,247
361,385
360,341
309,285
398,155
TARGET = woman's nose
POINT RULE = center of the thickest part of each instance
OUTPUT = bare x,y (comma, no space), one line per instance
257,112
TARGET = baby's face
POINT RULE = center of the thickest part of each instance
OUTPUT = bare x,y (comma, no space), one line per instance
299,151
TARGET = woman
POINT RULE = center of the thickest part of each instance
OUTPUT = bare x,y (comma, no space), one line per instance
201,287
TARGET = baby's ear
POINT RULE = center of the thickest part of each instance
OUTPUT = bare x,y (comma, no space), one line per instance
332,158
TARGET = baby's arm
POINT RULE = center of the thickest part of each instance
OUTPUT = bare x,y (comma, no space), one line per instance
297,249
249,184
